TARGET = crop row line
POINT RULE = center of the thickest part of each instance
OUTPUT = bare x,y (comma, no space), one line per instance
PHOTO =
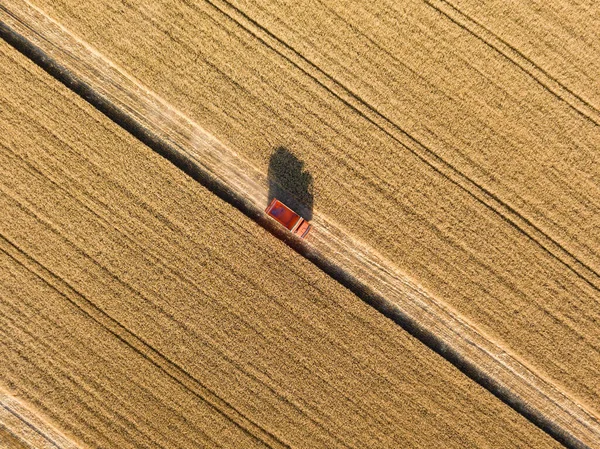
356,266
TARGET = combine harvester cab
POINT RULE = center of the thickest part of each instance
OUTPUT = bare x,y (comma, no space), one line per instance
288,218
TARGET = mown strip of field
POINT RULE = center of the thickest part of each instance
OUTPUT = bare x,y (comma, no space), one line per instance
356,266
139,310
21,428
534,292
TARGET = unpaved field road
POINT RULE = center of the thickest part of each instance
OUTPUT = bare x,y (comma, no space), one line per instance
139,310
22,428
470,165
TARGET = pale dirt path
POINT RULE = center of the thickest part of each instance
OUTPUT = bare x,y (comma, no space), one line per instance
523,287
22,428
464,342
132,298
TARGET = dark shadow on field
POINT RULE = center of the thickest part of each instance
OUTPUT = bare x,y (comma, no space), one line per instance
173,154
290,182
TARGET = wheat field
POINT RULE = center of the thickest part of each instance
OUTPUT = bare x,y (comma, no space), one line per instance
458,141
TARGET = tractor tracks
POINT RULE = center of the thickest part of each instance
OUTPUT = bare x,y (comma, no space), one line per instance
357,266
352,100
541,76
25,426
146,351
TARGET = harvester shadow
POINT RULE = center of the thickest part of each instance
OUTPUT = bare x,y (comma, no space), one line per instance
290,182
301,199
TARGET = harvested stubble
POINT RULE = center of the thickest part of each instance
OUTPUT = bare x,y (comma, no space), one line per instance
505,229
138,310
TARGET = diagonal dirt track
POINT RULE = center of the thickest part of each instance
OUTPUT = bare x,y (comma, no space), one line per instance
461,251
98,231
21,428
428,318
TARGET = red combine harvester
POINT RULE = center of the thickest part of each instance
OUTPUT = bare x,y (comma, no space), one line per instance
287,217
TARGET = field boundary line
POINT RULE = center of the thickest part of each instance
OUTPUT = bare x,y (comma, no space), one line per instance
355,265
349,98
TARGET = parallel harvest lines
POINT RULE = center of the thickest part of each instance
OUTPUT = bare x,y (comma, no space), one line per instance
114,263
519,293
459,338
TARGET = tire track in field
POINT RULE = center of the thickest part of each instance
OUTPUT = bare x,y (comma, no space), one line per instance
25,426
147,352
349,98
510,52
347,260
155,260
